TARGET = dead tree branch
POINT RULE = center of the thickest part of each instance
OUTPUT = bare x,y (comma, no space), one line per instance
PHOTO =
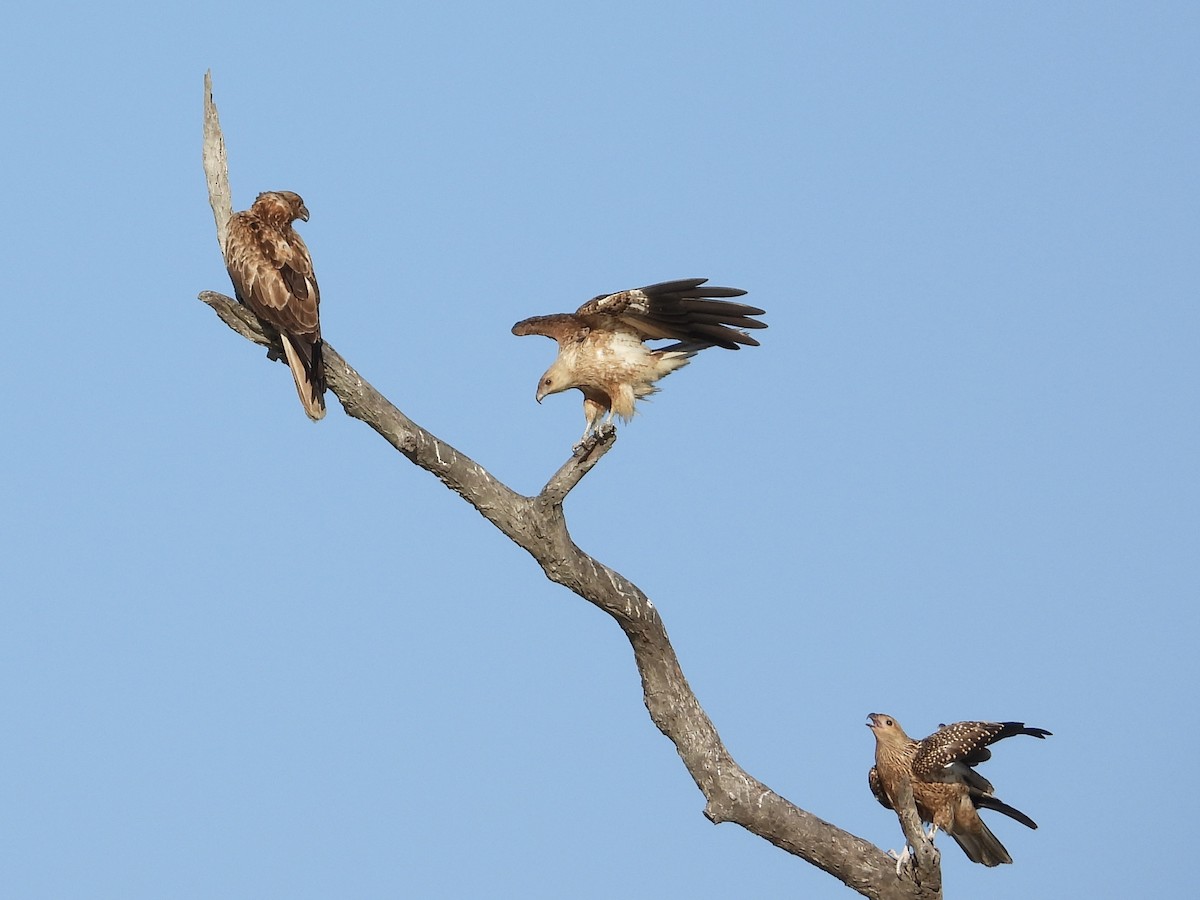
925,866
538,525
216,165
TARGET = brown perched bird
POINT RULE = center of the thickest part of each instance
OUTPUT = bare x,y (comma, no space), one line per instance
602,348
272,274
946,788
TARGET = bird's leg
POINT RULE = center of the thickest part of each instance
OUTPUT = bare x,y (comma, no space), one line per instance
933,829
592,437
273,335
592,411
598,426
588,431
901,858
590,434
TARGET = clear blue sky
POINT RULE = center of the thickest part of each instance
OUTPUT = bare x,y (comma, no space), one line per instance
958,480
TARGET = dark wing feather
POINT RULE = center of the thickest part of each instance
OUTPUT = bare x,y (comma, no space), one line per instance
952,744
678,310
963,743
876,783
987,802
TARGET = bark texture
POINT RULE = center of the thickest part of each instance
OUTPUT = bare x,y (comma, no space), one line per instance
537,525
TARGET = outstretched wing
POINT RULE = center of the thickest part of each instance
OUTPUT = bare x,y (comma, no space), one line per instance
950,752
563,327
678,310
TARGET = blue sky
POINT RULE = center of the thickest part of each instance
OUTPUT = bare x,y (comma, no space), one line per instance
247,656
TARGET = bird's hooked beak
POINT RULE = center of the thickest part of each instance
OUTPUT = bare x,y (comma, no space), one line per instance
302,213
874,720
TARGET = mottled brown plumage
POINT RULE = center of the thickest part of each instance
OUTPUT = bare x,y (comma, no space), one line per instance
272,273
602,350
946,788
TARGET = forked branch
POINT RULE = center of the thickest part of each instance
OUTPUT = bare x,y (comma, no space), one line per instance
538,525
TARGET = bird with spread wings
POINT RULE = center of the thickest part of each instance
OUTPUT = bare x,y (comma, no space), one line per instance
947,790
272,273
602,348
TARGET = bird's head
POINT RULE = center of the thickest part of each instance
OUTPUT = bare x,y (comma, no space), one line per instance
281,206
885,727
554,380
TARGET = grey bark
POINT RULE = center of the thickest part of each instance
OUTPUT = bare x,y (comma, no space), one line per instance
537,524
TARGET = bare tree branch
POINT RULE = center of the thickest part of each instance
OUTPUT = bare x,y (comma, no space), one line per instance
586,455
538,525
926,869
216,165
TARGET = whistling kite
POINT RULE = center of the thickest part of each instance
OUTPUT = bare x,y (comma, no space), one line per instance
602,350
946,788
272,274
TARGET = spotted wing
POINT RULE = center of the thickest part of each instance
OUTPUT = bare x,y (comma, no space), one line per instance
951,752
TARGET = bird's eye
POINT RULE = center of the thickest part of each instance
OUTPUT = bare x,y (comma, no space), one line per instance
546,382
888,722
